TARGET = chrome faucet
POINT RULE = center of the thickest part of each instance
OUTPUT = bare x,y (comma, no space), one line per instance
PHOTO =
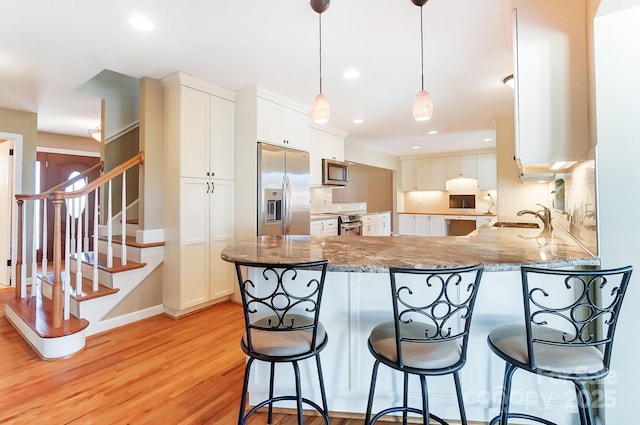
545,215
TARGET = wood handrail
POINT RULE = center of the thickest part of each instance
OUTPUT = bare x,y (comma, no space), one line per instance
85,173
45,194
138,159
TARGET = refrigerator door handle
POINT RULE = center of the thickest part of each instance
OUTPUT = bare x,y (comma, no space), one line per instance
285,206
289,206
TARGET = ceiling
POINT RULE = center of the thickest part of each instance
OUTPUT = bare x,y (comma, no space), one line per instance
48,49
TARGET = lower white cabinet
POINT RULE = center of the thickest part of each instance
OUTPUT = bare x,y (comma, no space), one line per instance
327,226
378,224
421,225
194,273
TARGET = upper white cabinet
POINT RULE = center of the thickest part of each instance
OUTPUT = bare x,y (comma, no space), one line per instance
462,166
324,143
281,125
487,171
423,174
550,70
206,138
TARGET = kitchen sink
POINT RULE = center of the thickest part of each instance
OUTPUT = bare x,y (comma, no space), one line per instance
516,224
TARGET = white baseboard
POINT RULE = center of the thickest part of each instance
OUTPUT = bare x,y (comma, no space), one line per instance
125,319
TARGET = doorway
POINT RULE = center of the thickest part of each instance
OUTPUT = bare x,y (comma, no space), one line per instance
56,168
10,184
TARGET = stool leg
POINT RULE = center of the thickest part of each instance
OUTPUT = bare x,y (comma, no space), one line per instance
506,393
271,378
584,404
296,370
372,388
425,400
245,387
322,392
463,415
405,398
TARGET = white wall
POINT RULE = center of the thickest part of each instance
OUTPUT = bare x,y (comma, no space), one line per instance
617,67
362,154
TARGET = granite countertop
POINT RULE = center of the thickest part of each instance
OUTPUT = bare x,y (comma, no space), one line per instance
497,248
469,213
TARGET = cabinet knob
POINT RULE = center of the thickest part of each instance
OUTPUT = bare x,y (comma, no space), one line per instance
207,174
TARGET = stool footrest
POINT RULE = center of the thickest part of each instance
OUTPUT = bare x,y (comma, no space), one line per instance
496,420
402,409
316,406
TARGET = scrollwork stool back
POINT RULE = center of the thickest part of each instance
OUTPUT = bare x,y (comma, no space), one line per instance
281,312
428,335
570,318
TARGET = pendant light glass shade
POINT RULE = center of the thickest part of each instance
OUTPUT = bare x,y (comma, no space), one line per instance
320,111
422,106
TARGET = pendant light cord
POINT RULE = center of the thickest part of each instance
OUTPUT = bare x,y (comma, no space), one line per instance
320,38
421,49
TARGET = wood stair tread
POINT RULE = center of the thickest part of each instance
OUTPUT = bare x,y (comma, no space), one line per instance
87,292
37,313
131,241
89,258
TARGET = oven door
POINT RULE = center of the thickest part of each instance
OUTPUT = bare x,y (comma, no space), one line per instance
351,228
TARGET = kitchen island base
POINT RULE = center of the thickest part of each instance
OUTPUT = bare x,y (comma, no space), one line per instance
355,302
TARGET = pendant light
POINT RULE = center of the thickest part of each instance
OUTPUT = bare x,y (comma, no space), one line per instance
320,111
422,105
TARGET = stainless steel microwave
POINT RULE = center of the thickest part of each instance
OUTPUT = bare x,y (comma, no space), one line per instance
334,172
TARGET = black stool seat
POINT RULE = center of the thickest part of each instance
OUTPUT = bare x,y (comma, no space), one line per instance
281,311
569,323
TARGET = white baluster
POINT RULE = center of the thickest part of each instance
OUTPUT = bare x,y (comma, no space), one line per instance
45,239
66,275
95,241
35,282
86,224
123,249
80,254
73,226
109,227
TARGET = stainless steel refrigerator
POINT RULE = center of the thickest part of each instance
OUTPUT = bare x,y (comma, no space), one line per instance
284,198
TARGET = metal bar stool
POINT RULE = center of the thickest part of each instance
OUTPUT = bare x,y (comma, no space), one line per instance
281,313
429,332
570,318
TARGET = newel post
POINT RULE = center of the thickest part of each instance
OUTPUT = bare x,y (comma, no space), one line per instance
57,296
18,266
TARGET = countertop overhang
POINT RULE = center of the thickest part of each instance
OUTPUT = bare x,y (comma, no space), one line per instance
499,249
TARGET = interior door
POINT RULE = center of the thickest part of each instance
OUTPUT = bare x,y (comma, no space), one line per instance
56,168
6,206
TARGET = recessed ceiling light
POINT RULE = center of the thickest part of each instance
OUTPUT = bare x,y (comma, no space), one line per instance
433,132
350,74
141,23
358,121
415,147
487,139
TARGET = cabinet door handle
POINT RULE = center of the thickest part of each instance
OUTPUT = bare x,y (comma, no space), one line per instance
207,187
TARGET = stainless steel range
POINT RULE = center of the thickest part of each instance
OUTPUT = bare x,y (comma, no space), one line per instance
350,223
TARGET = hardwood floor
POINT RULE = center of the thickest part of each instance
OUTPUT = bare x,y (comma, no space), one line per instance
155,371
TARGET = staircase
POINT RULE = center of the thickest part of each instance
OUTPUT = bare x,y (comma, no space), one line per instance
61,307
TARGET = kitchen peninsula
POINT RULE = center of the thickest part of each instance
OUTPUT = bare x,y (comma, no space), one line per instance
357,297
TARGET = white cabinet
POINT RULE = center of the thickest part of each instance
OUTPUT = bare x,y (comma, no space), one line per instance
423,174
280,125
323,144
551,92
482,220
327,226
408,179
198,180
462,166
421,225
205,150
378,224
487,171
